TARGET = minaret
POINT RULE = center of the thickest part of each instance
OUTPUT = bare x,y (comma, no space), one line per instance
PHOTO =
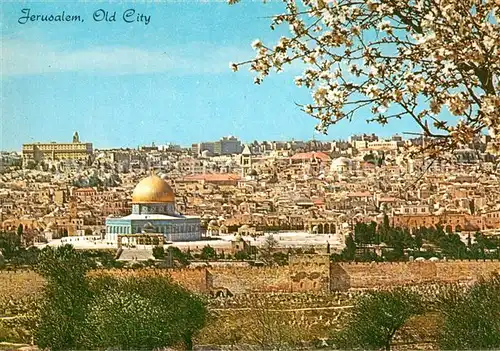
245,161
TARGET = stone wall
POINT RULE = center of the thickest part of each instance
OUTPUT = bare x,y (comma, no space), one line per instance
314,273
309,273
193,279
465,270
26,282
371,275
196,279
251,279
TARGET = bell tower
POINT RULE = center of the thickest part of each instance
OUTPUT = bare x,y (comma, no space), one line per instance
245,161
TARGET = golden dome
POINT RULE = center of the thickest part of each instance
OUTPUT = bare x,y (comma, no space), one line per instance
152,189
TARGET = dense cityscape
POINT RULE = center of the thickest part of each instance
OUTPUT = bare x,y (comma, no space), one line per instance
55,190
304,209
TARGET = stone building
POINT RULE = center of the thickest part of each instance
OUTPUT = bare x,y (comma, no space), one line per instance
75,150
153,210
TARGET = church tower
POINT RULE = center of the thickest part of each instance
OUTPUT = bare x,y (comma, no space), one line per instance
245,161
76,138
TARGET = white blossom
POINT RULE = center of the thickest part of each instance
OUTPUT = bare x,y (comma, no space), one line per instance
298,81
425,55
385,26
233,66
372,91
256,44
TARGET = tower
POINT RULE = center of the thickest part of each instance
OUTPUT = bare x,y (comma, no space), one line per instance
245,161
76,138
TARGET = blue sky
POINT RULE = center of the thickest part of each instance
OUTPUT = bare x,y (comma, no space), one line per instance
128,84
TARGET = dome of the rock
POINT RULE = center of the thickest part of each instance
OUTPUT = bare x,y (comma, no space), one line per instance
152,189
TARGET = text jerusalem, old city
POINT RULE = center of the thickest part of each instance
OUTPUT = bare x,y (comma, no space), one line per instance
61,17
100,15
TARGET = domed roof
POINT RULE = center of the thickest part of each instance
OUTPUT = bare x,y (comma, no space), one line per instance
341,161
152,189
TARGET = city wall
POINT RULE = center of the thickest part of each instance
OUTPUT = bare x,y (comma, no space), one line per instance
372,275
250,279
307,275
196,279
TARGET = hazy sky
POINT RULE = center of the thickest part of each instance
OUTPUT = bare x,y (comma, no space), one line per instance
128,84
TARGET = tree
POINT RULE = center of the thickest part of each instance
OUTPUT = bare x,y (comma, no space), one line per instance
159,252
386,224
20,229
361,235
452,246
94,181
395,59
241,255
103,311
26,257
365,233
166,313
471,319
10,244
376,317
66,296
418,240
179,256
266,252
280,258
208,253
349,252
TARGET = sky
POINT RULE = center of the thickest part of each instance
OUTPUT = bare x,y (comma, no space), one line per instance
128,84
